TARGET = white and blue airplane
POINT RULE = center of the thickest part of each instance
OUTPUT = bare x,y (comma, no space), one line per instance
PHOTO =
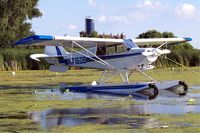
116,56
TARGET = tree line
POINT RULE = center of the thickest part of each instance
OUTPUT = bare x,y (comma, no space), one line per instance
14,16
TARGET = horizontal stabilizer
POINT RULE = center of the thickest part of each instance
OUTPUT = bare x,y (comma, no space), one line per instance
37,56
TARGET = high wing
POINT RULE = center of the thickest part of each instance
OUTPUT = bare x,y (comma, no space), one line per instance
65,40
159,41
87,42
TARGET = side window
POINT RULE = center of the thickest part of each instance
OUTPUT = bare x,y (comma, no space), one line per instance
119,48
105,49
101,49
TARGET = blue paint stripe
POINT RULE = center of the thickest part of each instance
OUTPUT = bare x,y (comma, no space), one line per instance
104,88
119,87
111,93
58,51
104,57
34,39
188,38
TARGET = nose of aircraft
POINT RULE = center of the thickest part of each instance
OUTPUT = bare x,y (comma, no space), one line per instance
150,54
155,52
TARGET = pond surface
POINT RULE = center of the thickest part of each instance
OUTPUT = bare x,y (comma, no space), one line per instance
162,104
49,117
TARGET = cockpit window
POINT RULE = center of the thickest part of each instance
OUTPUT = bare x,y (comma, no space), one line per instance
129,44
108,49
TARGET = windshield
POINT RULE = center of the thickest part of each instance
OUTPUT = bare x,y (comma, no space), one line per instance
129,44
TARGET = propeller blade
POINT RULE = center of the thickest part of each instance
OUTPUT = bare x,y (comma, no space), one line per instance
160,52
166,51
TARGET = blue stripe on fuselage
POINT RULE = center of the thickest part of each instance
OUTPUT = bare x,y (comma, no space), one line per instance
105,57
83,60
59,53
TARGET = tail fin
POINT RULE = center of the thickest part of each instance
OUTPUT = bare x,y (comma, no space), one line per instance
60,52
53,54
56,50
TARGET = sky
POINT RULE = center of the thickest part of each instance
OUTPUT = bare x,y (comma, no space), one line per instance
131,17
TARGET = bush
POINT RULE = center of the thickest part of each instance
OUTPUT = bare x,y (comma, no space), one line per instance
189,57
19,59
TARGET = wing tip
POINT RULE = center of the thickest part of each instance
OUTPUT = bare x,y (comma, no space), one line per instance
188,38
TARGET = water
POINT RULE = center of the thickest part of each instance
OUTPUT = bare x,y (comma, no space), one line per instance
108,116
173,105
162,104
75,117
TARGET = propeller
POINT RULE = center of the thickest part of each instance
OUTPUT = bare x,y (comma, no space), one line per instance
153,53
160,52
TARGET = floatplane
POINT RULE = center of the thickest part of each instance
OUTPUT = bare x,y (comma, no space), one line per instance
121,57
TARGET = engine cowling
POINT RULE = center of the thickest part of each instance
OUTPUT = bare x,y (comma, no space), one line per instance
153,53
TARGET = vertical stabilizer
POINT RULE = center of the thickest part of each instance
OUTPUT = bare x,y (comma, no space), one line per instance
56,50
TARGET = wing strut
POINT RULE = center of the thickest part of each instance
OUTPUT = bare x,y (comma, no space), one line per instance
161,45
87,56
145,75
181,65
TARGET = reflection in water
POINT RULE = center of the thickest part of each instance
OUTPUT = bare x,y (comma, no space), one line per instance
75,117
108,116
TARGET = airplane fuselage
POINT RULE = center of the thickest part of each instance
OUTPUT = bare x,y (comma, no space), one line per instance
132,59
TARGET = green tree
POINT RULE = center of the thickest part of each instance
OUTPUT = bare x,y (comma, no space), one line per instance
157,34
95,34
13,19
168,34
151,34
182,46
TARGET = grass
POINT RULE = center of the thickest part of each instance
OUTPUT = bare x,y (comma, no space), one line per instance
86,76
95,128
